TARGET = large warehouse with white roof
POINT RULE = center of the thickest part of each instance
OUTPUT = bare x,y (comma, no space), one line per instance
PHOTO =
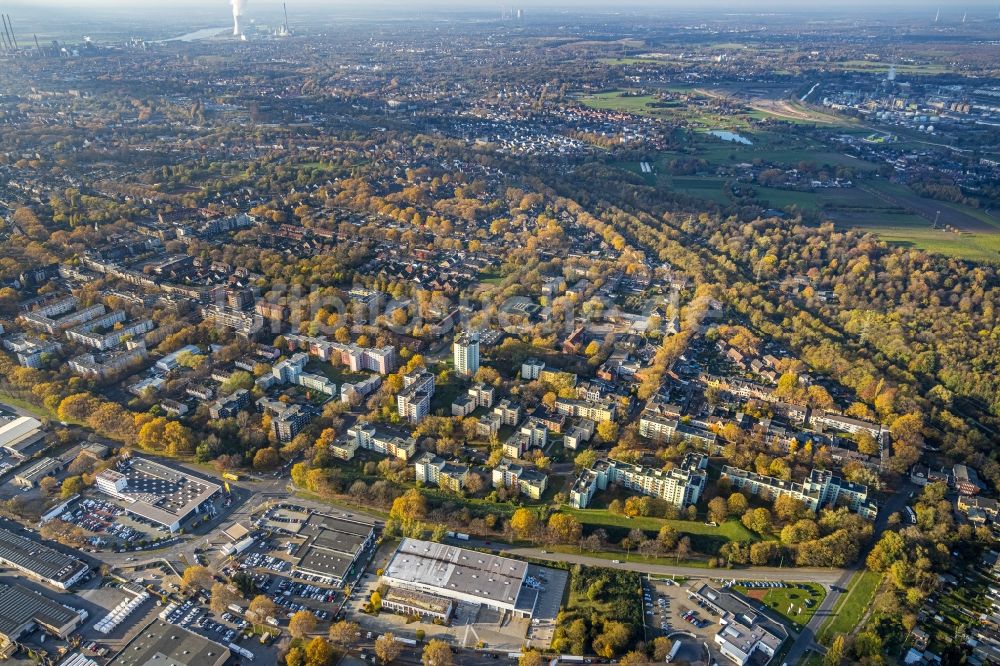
462,575
158,493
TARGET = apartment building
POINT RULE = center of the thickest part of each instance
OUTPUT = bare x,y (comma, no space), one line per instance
466,353
529,482
435,470
599,412
382,440
820,489
680,486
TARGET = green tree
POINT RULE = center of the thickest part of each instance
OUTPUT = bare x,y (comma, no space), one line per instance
437,653
524,522
72,485
386,648
301,624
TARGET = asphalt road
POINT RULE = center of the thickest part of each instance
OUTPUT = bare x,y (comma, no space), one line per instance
803,575
806,639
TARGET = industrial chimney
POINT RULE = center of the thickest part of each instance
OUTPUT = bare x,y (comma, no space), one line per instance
238,7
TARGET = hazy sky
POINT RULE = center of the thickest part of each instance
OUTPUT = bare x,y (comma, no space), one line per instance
528,5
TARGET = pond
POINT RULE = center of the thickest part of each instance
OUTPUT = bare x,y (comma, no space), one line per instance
726,135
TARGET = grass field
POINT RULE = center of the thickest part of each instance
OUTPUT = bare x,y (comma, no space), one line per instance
812,659
707,188
336,374
849,609
12,400
789,602
704,538
631,557
632,61
618,100
898,217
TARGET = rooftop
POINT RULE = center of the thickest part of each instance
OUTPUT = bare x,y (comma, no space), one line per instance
44,561
162,644
162,494
19,606
456,570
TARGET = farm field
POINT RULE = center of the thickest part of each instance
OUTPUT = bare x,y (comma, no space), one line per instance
890,210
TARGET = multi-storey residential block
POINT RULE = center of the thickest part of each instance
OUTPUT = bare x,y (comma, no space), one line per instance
488,426
104,332
30,351
102,366
844,423
820,489
466,353
357,359
482,394
599,412
536,432
516,445
435,470
52,324
680,486
287,420
531,368
578,434
529,482
382,440
414,401
230,405
509,412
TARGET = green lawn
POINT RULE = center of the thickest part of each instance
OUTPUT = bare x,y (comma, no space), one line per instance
847,612
705,538
789,602
708,188
812,659
619,100
914,232
338,374
41,412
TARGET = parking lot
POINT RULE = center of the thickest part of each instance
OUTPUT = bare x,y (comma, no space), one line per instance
108,526
273,576
667,609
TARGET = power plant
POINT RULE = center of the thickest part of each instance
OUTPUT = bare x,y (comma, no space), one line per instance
238,8
283,31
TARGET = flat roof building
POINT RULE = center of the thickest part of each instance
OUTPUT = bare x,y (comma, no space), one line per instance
332,546
22,609
170,645
161,494
462,575
680,486
820,489
743,631
18,435
40,562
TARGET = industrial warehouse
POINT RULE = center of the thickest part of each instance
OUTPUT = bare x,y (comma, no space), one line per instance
424,578
171,645
155,492
21,610
39,561
332,546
